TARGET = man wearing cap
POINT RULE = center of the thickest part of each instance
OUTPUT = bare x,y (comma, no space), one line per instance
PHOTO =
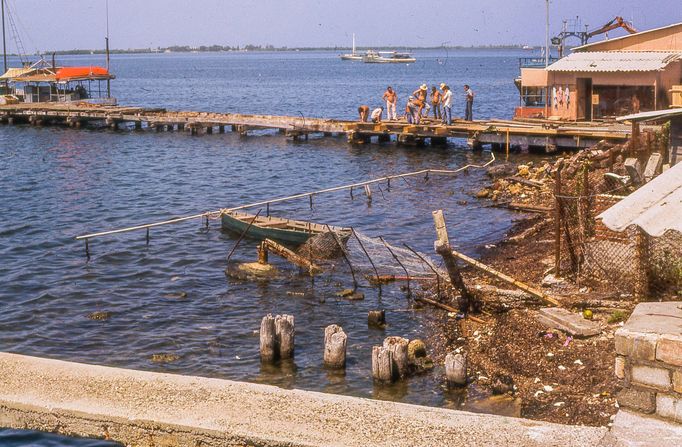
469,96
412,111
420,98
391,99
446,102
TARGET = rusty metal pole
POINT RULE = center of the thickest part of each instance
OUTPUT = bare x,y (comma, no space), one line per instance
557,221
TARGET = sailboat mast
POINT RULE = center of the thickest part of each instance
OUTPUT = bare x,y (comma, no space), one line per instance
4,44
107,50
353,43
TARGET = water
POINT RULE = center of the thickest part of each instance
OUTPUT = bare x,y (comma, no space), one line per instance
58,183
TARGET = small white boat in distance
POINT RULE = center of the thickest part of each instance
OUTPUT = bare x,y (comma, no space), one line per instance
353,56
387,57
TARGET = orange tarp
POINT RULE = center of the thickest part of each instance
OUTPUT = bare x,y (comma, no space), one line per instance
71,73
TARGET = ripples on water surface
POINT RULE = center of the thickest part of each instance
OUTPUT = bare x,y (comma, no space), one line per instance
58,183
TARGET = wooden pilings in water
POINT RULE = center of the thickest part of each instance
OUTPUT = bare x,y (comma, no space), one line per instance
398,348
456,369
382,364
376,319
390,362
276,337
335,341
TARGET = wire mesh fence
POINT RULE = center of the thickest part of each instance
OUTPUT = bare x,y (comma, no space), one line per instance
630,262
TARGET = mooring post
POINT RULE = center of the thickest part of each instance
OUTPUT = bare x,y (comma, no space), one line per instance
456,369
398,348
376,318
267,339
284,333
557,221
382,364
335,341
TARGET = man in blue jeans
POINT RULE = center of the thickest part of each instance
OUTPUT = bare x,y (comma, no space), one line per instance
469,112
446,103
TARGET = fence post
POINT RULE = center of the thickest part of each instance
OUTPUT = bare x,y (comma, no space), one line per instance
641,289
557,221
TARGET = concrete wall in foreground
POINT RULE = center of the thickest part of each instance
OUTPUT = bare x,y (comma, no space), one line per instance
151,409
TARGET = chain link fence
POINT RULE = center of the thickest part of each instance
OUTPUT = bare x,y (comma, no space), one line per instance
630,262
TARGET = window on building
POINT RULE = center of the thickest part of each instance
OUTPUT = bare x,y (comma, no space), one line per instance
533,96
621,100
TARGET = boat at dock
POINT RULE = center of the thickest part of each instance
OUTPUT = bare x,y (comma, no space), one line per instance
285,231
387,57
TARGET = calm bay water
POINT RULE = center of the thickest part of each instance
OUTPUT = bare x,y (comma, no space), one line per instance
58,183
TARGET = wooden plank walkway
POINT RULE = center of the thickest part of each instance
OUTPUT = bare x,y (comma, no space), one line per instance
501,134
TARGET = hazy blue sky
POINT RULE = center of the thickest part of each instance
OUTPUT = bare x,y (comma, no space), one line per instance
66,24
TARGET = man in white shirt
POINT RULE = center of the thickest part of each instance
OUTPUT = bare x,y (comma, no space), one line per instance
446,103
376,114
469,97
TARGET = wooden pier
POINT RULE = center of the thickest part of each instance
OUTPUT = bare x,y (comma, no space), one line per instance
547,136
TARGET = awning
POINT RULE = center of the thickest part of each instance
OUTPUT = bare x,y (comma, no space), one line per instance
652,115
614,61
66,74
655,207
14,72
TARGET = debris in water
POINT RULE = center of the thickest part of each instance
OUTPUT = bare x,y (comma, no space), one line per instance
178,295
164,358
99,315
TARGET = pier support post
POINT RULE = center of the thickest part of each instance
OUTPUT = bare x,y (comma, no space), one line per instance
398,348
385,138
267,339
138,125
456,369
11,121
284,332
242,130
335,341
474,144
209,129
182,127
221,129
439,141
376,318
111,123
382,364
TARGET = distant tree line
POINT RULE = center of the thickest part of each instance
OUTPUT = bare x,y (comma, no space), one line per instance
250,47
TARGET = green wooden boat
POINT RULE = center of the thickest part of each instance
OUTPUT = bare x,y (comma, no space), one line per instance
284,231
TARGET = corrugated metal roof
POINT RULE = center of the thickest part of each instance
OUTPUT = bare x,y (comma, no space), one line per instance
14,72
655,207
615,61
652,115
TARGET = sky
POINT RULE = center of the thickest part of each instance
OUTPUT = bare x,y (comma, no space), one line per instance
81,24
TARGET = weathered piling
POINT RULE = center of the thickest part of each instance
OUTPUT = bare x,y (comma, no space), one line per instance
382,364
376,319
398,348
284,331
267,339
335,341
456,369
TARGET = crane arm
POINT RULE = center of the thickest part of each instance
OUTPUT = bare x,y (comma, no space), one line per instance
617,22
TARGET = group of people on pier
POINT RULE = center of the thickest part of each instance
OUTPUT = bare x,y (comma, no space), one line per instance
419,104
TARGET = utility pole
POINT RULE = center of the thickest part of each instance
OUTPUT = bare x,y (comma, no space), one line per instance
107,50
547,35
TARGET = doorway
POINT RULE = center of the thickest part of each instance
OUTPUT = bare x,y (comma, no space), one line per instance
584,86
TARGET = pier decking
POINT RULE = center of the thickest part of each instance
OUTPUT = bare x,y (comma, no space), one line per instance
545,136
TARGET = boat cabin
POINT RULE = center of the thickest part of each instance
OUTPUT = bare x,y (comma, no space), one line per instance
603,80
42,82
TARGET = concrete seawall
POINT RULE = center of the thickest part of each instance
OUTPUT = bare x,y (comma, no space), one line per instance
151,409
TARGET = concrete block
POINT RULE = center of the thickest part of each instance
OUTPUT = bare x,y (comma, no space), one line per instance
636,345
658,378
669,407
634,168
632,429
653,166
620,367
639,400
656,318
567,321
677,381
669,350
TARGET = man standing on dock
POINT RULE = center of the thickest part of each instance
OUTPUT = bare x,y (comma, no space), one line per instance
420,99
435,102
446,102
391,99
469,96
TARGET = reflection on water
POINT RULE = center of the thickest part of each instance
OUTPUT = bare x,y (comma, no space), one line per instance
171,296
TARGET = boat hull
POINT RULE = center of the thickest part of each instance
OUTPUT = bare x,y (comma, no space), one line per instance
239,223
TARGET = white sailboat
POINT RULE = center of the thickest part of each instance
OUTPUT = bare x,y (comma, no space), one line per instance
353,56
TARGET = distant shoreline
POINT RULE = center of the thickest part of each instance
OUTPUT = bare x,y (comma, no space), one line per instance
270,48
